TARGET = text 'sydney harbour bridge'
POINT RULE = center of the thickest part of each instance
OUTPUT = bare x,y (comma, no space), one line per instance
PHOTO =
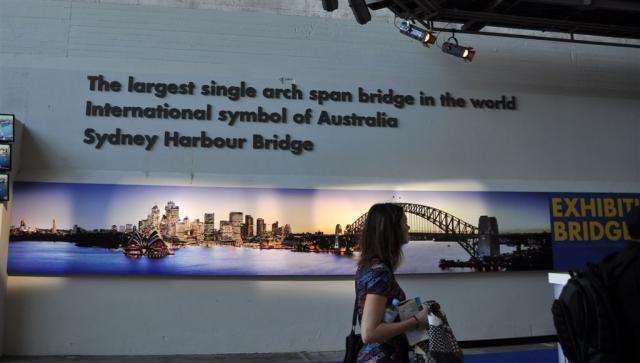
482,243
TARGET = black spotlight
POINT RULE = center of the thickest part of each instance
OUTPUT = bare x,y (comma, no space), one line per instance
426,37
360,11
329,5
466,53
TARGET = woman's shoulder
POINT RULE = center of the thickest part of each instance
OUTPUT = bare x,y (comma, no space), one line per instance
375,278
373,269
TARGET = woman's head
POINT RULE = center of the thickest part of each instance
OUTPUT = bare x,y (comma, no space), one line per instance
383,234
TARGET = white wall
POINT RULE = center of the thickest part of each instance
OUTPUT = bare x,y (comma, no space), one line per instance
124,315
576,129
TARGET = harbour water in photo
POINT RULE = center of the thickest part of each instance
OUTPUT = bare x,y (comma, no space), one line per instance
61,258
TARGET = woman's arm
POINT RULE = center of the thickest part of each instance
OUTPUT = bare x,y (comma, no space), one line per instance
375,330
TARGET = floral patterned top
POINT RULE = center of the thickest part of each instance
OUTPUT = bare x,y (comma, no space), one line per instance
378,279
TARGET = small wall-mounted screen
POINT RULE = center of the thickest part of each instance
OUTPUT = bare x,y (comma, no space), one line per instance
4,187
6,127
5,157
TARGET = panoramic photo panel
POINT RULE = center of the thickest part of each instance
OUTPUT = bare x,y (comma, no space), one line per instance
62,228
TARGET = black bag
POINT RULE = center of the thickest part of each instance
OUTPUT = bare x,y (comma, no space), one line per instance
585,314
353,341
442,344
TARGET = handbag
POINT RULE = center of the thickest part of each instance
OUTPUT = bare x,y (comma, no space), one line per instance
443,345
353,342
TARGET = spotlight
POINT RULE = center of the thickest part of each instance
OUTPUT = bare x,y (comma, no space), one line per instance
329,5
426,37
360,11
466,53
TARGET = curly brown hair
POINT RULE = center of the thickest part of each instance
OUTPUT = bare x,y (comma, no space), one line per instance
383,235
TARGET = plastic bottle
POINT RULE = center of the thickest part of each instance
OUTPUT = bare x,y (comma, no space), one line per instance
391,312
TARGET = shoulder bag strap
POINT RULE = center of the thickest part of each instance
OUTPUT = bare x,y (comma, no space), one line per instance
354,320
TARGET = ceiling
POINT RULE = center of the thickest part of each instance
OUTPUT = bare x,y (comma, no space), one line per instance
617,18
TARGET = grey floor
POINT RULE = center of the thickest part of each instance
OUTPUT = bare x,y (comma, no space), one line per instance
297,357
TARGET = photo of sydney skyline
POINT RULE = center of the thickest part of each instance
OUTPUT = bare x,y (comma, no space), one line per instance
147,229
98,206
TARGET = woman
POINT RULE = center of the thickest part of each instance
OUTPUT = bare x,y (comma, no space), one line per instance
384,233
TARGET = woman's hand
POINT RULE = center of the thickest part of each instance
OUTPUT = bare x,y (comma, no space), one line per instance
421,316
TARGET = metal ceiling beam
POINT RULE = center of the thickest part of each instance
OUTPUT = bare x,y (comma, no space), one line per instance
476,25
473,25
499,13
413,8
592,4
535,37
537,23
